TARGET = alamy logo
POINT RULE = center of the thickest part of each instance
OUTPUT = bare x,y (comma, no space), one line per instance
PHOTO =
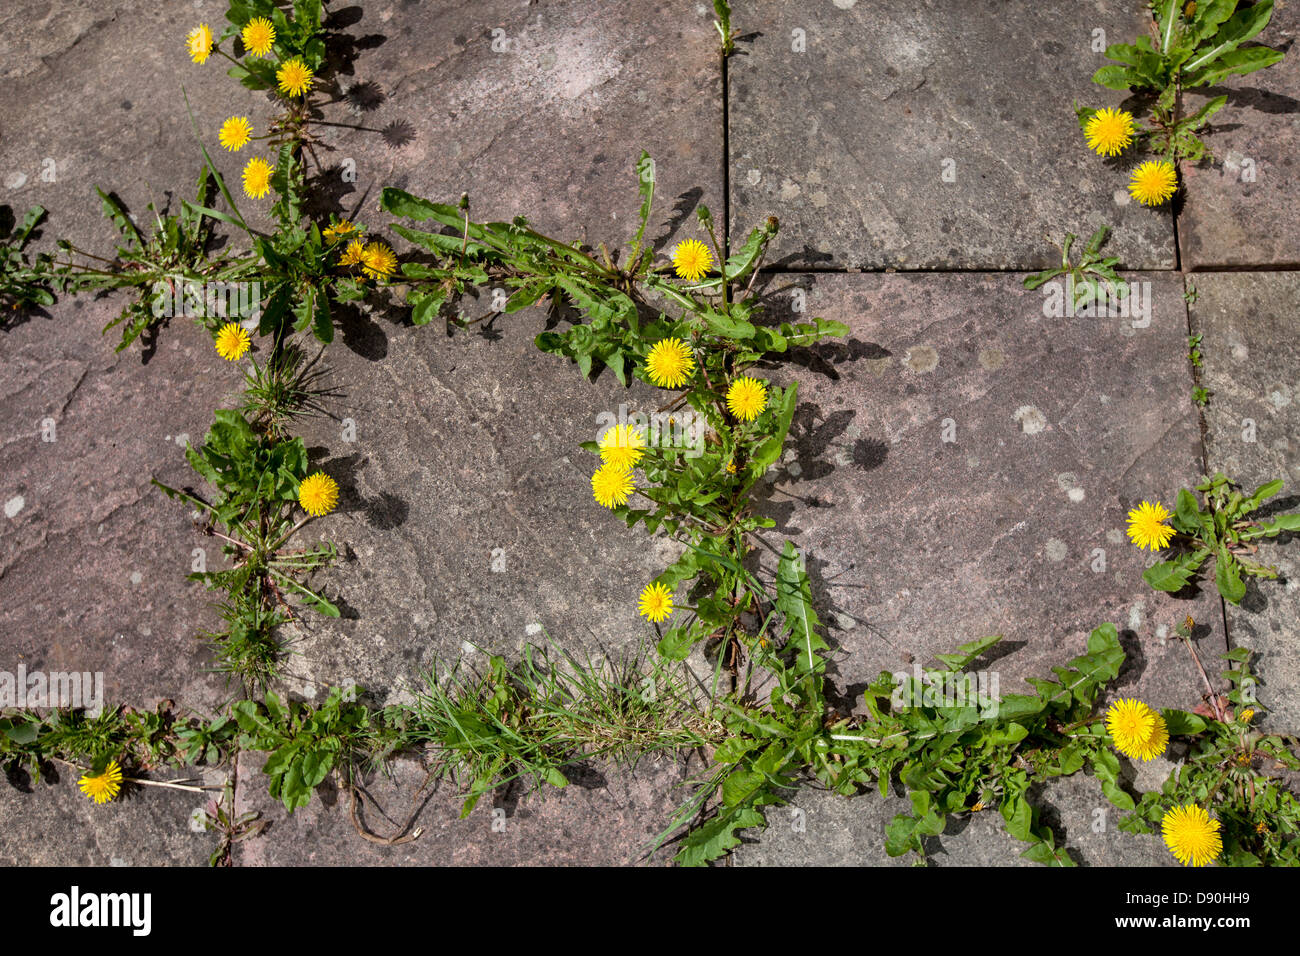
200,299
1098,300
74,909
683,429
78,689
947,690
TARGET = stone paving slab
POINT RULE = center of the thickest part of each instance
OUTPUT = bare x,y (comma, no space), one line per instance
1251,353
94,96
916,544
931,135
93,558
539,110
605,817
51,823
821,828
1243,208
466,509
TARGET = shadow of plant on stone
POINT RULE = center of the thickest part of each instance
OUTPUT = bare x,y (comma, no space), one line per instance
868,454
387,511
397,134
361,333
1135,659
364,97
685,205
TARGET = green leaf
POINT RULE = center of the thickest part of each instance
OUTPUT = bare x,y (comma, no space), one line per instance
1244,24
676,644
1181,723
1116,795
968,652
770,450
712,840
1116,78
1187,517
425,306
645,174
555,778
398,202
1019,816
740,785
1209,14
1262,494
1239,62
794,601
1173,576
1048,855
1227,576
322,324
1166,12
1279,524
900,835
528,294
1202,116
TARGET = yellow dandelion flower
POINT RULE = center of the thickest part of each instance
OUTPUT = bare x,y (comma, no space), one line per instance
1109,131
977,806
622,445
354,254
258,36
692,260
378,261
102,787
1147,528
670,363
656,602
338,230
232,341
1153,182
235,133
294,78
318,494
1136,730
257,177
746,398
611,484
1192,835
731,467
198,42
1246,715
1261,828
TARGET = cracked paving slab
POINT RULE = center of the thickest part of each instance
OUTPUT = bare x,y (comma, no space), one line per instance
1251,360
932,135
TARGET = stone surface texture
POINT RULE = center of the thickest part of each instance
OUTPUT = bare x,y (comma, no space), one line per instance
1243,207
1251,348
961,466
1016,525
936,135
